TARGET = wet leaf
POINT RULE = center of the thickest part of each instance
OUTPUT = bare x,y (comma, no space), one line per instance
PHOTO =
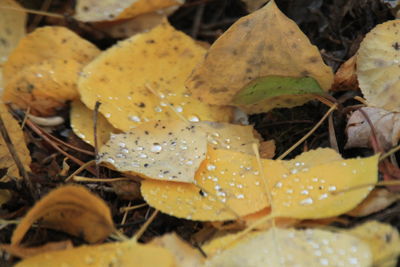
378,60
122,254
71,209
164,150
290,247
386,126
383,239
312,191
82,124
261,45
92,10
185,255
228,185
42,71
126,103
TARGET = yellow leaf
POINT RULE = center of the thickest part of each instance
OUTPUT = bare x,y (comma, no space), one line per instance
378,60
185,255
26,252
6,160
92,10
82,124
124,254
164,150
290,247
228,185
42,71
122,78
264,43
383,239
311,158
72,209
312,193
12,29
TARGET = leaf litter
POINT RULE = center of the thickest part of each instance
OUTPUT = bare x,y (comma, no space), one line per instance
146,110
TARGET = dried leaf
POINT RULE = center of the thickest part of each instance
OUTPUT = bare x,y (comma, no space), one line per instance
267,149
164,150
125,103
82,124
378,60
72,209
228,186
42,71
92,10
12,29
377,200
126,253
18,141
346,77
290,247
383,239
128,28
185,255
263,44
386,125
253,5
26,252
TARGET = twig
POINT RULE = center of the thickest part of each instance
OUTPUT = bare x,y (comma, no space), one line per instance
197,20
17,160
309,133
96,144
56,147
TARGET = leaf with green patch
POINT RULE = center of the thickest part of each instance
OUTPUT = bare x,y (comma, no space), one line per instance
275,86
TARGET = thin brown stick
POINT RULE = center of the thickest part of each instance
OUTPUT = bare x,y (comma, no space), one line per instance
332,134
17,160
96,142
34,128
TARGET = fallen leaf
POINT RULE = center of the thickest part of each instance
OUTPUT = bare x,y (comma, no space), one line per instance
239,138
346,77
185,255
7,162
129,103
228,186
386,125
82,124
290,247
264,44
26,252
164,150
92,10
314,192
267,149
377,200
378,60
253,218
72,209
12,29
126,253
253,5
42,71
383,240
299,189
127,28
